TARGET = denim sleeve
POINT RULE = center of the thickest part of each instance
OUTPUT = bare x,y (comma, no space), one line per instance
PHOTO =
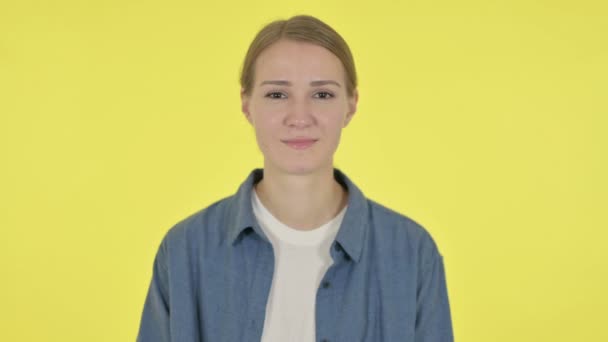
433,318
154,325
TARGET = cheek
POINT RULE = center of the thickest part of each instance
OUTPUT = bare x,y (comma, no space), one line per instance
267,130
268,124
332,119
266,119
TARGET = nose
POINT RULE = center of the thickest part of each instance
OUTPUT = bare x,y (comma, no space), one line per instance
299,114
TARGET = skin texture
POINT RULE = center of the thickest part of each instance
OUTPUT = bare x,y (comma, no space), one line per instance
298,185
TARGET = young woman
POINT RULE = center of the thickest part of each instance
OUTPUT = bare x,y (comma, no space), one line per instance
298,253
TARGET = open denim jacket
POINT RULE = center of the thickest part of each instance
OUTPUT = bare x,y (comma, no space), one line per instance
213,271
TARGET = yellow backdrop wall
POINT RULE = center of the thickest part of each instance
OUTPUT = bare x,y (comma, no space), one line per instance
484,121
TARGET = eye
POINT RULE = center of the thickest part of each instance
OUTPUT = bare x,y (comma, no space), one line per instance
275,95
324,95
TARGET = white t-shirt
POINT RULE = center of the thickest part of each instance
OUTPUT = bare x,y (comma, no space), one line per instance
301,260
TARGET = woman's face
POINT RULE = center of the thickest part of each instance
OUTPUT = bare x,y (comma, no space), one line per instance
298,106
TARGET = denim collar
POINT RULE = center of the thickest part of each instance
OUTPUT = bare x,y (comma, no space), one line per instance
350,235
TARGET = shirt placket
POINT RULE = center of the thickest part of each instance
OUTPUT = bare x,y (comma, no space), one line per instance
329,295
260,290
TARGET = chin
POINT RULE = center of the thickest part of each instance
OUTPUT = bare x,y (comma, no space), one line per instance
299,167
294,163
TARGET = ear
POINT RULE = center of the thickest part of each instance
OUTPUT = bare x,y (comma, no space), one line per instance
245,105
352,107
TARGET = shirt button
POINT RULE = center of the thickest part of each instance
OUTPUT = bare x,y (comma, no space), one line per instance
325,285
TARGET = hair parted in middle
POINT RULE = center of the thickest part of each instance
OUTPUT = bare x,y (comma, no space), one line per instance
302,28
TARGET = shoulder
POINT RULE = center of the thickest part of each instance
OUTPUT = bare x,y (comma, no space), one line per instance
399,231
202,226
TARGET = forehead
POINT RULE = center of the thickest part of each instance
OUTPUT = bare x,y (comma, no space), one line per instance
287,59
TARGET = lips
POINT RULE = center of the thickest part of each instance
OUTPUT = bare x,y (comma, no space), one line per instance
300,143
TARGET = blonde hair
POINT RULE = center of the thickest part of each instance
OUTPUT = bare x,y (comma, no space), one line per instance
301,28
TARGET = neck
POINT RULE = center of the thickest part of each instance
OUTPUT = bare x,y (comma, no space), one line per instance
303,202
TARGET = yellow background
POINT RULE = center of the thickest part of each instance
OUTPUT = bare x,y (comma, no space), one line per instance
485,121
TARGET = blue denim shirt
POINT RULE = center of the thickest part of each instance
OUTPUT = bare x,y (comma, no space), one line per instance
213,270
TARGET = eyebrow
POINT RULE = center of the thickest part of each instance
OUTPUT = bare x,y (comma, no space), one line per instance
313,83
